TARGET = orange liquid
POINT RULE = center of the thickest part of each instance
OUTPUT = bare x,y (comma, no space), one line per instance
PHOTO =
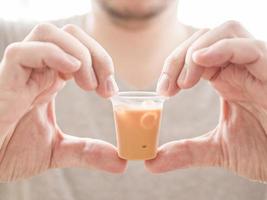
137,132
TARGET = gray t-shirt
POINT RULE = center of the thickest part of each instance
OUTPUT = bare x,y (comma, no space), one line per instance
87,115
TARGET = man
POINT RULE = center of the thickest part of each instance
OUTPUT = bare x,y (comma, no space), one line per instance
138,36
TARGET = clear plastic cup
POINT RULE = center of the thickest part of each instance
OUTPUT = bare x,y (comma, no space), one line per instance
137,116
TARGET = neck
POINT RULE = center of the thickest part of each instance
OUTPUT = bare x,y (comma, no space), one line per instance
103,20
138,46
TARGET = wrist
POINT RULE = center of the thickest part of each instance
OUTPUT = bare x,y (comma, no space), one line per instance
261,114
12,108
5,131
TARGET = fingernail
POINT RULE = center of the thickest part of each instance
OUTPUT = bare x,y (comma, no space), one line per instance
65,76
111,85
163,84
183,74
74,61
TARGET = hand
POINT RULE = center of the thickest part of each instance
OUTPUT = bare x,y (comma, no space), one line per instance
32,72
236,66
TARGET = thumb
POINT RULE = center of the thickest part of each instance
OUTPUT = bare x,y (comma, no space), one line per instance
70,151
196,152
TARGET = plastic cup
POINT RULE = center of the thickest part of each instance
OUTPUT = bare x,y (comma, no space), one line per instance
137,117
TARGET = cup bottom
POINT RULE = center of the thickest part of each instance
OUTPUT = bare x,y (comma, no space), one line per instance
141,157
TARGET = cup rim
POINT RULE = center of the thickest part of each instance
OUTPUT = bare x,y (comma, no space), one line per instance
139,95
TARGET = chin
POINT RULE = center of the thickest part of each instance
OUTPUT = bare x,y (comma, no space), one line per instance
134,9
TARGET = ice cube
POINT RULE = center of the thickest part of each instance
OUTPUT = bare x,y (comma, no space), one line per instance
149,120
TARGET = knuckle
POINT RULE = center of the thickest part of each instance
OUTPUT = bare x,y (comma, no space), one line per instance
12,50
43,29
74,31
172,64
168,61
108,63
50,47
223,43
202,31
71,28
52,50
171,61
233,26
195,46
261,47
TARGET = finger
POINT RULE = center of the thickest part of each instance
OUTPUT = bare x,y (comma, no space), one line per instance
244,52
192,72
101,61
48,93
167,84
203,151
85,77
70,151
19,56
